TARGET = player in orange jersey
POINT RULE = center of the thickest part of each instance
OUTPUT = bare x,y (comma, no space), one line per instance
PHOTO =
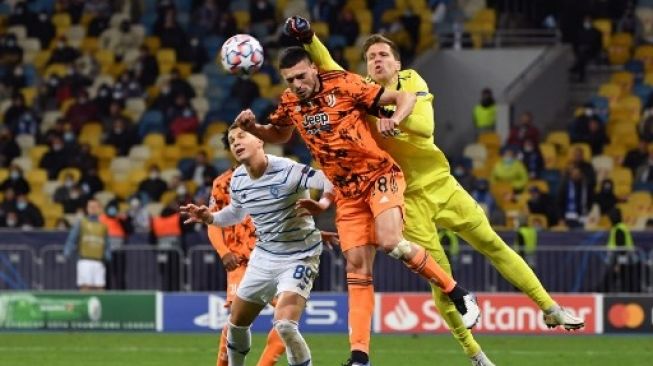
234,245
329,111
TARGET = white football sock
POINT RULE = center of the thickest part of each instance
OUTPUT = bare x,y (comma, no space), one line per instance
239,340
296,348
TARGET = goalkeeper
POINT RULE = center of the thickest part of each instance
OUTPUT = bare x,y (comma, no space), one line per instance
433,196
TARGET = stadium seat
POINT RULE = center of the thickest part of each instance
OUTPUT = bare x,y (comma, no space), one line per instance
75,35
637,68
36,153
89,45
616,151
242,18
491,140
104,153
51,214
154,208
120,165
104,197
629,107
4,174
625,79
623,181
137,176
644,53
168,175
19,31
201,106
168,197
542,185
561,141
188,145
477,153
166,58
135,107
153,43
199,82
155,141
610,91
123,189
49,187
619,49
25,142
641,201
603,166
76,173
171,155
24,162
604,25
140,153
549,155
37,178
151,122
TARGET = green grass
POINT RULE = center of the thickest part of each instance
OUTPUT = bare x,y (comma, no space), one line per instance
127,349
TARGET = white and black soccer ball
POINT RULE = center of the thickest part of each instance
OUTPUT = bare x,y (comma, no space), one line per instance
241,54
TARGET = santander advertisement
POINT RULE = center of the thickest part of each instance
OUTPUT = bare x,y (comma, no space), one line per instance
500,313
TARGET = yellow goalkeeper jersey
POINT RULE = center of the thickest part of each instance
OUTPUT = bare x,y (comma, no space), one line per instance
414,150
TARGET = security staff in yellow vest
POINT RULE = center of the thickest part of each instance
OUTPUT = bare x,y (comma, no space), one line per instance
90,238
485,113
624,273
526,243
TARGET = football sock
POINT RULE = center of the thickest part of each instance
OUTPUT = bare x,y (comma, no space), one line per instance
223,358
296,348
361,306
427,267
239,340
273,350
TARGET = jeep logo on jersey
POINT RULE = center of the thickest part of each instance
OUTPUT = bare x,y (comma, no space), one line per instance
316,123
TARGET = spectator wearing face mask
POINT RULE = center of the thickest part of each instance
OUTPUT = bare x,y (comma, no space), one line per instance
146,68
581,124
28,215
63,53
15,181
122,39
595,136
485,113
62,193
84,160
462,172
532,159
16,110
153,186
8,204
122,136
510,170
56,158
540,203
636,157
524,130
9,149
10,52
196,55
91,182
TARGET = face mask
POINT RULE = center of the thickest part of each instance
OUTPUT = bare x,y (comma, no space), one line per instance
459,172
154,175
112,211
93,217
69,183
181,191
15,175
74,195
528,148
69,136
134,204
589,112
60,45
57,147
587,25
21,205
43,17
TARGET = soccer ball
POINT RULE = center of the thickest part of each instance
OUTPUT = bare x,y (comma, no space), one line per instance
241,54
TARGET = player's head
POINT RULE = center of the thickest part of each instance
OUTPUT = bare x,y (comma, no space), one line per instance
299,71
243,145
382,58
93,207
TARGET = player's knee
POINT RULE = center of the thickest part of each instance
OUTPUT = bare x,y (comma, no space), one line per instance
399,250
287,329
360,260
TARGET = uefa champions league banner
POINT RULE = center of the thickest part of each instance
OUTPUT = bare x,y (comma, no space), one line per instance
77,311
204,312
503,313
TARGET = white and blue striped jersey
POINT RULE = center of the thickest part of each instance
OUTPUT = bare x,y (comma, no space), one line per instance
270,201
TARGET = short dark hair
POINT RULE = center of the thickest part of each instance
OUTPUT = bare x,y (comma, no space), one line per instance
225,137
291,56
379,38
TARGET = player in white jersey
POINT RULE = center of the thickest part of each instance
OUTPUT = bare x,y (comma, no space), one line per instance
284,263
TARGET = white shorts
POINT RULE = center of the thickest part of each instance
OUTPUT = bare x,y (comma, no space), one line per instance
265,278
90,273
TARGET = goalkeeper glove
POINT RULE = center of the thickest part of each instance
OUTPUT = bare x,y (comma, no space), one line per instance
298,28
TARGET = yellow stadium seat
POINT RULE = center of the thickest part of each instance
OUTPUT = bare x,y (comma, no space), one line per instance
105,176
4,174
623,181
89,45
37,152
628,107
353,56
56,69
605,27
641,201
215,128
24,162
29,94
365,20
587,150
321,29
171,155
491,140
123,189
242,19
185,69
25,142
356,5
199,82
619,49
542,185
549,155
644,53
137,176
61,20
187,143
262,80
155,141
51,214
610,91
153,43
37,178
616,152
38,198
166,58
168,197
625,79
274,91
104,153
77,175
560,139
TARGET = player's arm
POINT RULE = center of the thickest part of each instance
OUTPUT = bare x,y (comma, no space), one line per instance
315,179
216,237
404,103
421,120
228,216
300,29
277,131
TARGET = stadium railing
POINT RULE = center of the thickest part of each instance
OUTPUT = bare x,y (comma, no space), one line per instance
505,38
146,267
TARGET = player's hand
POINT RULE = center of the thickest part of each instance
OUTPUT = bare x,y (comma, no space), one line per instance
246,120
195,213
230,261
310,207
298,28
388,127
330,239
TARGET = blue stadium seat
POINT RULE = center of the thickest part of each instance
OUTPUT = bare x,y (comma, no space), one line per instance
4,9
636,67
643,91
31,75
149,6
260,106
212,45
336,41
42,5
148,20
185,166
222,164
602,106
552,177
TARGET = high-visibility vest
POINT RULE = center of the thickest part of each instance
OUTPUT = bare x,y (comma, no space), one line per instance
485,117
114,226
166,226
449,239
530,239
92,236
612,239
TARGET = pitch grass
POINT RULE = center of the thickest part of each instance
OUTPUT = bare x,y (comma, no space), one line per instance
145,349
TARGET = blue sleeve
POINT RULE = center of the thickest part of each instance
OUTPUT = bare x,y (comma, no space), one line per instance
73,238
